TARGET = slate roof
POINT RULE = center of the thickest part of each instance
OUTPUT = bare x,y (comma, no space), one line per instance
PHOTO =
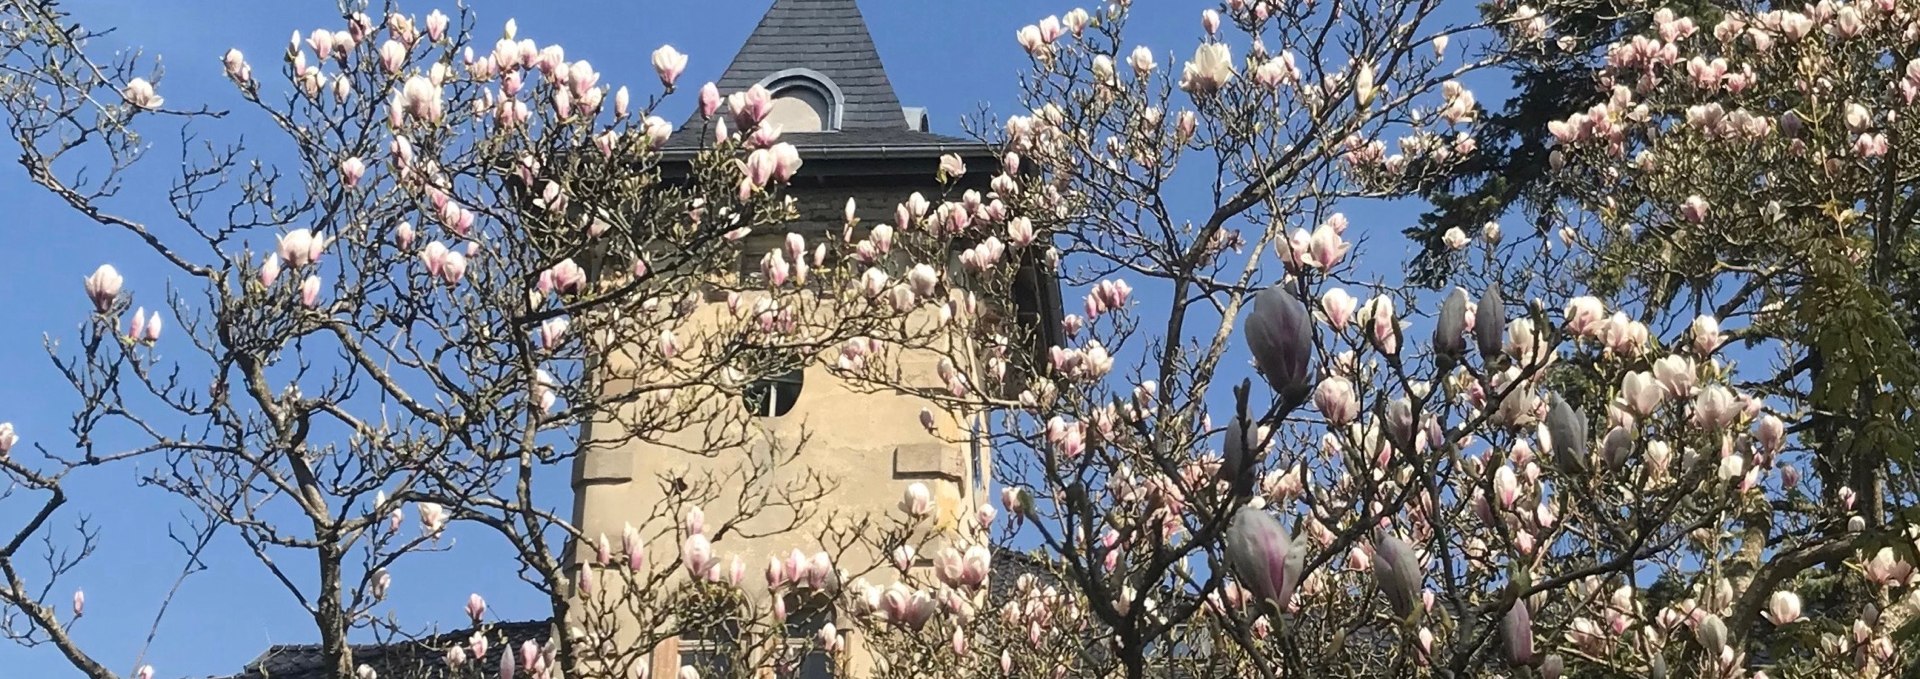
828,36
425,658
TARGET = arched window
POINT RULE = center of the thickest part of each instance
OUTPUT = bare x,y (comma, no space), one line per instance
774,396
798,109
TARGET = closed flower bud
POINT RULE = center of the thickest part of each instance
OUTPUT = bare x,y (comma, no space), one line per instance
1398,570
1568,428
1615,448
1449,331
1280,335
1552,667
1240,452
1489,320
1267,562
1516,631
1712,633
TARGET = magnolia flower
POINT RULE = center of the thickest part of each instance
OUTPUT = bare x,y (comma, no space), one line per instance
1783,608
103,287
1712,632
1516,630
1210,69
351,170
697,555
1454,238
1266,561
436,25
1336,400
1715,408
1568,429
1694,209
1142,60
918,501
1705,332
476,607
1449,331
148,331
669,63
1676,373
1585,315
7,438
79,602
1641,393
1280,336
310,292
301,247
1489,320
236,67
139,94
1338,305
1397,569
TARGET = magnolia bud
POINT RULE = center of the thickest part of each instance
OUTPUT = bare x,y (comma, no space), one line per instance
1280,335
1569,431
1398,571
1237,464
1449,331
1712,633
1516,630
1552,667
1267,562
1489,321
1616,447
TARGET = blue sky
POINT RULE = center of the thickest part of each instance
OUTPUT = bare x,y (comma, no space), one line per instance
951,57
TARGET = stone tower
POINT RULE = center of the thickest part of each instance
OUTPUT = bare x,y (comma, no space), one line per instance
834,101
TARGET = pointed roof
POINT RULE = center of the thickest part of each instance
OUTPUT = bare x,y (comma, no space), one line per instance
828,37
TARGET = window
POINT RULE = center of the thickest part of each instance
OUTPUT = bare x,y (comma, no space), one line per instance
806,617
774,396
712,651
798,109
804,100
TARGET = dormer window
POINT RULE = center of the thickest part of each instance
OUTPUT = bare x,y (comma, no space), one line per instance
804,101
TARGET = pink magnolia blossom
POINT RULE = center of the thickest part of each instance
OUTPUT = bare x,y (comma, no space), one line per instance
152,333
310,292
436,25
1210,69
351,170
697,554
669,63
139,94
1783,608
236,67
1336,400
917,501
103,287
301,247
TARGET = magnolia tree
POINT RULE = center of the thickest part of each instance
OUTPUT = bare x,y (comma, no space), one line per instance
1451,485
466,252
1759,165
390,319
